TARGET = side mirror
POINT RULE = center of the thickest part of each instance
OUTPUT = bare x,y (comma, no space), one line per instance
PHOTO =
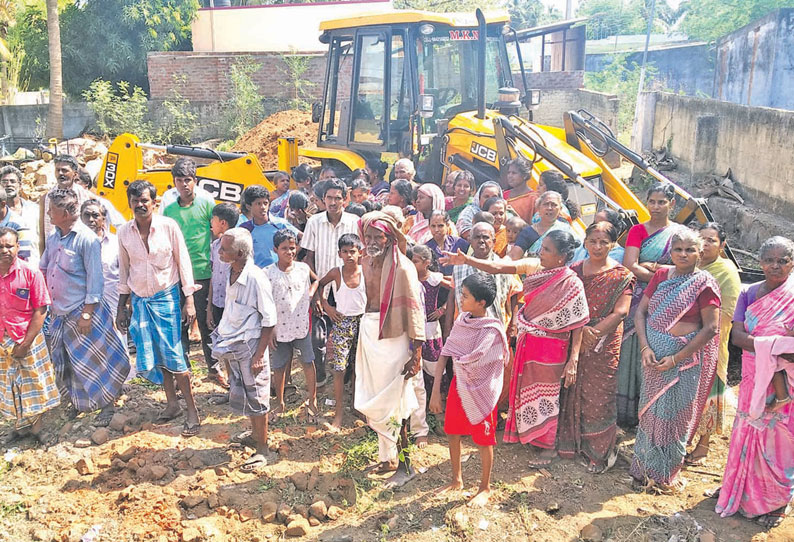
317,110
427,105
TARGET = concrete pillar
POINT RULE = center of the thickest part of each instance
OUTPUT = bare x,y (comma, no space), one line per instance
642,133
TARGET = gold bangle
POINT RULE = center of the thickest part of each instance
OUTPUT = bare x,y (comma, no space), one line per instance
644,348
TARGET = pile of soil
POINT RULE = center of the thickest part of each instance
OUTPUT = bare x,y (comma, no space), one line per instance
262,140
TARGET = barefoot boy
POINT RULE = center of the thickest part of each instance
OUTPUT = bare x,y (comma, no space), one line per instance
351,302
243,335
478,348
293,286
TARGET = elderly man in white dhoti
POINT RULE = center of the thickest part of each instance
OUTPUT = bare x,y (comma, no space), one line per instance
390,340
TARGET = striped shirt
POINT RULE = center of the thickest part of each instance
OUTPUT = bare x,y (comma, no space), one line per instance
322,238
506,287
24,234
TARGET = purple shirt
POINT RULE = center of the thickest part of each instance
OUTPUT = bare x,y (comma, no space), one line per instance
746,298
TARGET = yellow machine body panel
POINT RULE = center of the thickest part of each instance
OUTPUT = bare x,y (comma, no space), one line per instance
614,187
123,164
462,20
351,159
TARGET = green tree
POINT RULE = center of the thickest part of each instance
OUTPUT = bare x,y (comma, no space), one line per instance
105,39
29,34
709,20
621,78
443,6
621,17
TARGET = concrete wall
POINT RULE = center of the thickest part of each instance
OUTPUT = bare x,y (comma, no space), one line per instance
21,120
754,63
709,136
208,74
682,68
282,27
553,103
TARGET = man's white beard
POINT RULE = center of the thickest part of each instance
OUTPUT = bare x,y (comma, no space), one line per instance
375,252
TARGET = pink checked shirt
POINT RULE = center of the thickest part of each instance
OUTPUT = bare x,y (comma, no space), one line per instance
167,261
22,291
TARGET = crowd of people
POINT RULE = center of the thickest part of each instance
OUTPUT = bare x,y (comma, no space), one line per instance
478,303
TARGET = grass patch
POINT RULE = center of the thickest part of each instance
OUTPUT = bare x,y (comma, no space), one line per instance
360,454
142,382
7,509
198,369
266,485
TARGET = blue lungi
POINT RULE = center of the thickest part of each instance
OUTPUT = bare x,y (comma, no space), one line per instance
89,369
156,330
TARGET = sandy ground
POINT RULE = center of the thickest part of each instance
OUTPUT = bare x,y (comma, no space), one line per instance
145,482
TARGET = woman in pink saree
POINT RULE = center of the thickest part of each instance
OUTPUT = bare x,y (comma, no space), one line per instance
759,474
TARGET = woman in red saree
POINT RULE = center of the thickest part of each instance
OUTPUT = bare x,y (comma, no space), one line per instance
588,409
550,334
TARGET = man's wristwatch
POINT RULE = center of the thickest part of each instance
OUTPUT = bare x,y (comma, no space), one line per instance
86,316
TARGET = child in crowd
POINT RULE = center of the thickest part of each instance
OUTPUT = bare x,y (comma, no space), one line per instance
297,210
224,217
513,227
263,226
356,209
359,190
316,203
478,347
304,177
293,285
242,338
280,196
432,282
351,302
498,208
483,216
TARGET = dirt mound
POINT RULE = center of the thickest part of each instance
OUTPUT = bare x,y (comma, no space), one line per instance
262,140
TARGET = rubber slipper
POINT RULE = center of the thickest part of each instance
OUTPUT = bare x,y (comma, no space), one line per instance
189,430
219,399
103,418
162,417
254,463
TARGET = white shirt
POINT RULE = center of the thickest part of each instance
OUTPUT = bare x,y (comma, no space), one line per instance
110,269
322,238
249,307
291,295
220,275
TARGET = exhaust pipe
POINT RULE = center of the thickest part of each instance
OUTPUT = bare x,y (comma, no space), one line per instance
481,64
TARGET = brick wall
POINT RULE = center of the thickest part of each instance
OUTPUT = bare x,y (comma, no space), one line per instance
551,80
553,103
208,74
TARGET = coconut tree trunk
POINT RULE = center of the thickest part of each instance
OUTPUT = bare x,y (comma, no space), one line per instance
55,109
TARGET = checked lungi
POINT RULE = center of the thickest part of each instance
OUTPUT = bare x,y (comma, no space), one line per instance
89,369
156,330
27,385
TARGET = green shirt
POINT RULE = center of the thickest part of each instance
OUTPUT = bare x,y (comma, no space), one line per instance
194,221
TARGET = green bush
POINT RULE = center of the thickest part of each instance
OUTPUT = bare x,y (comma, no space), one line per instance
299,87
244,109
119,110
179,121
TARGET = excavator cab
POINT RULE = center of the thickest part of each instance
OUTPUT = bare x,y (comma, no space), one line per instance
394,80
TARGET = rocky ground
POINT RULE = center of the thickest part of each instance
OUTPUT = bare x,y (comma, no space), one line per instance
139,481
